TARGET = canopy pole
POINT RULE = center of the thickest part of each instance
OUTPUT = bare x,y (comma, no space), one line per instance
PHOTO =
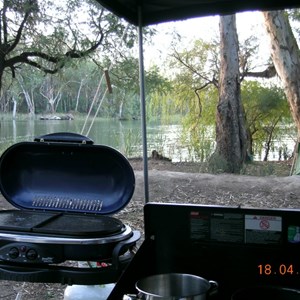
143,104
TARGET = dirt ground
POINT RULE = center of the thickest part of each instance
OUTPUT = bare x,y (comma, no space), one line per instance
182,183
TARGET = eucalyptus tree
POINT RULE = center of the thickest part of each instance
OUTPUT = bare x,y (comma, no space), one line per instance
231,138
28,83
286,58
25,91
230,119
48,35
220,65
81,81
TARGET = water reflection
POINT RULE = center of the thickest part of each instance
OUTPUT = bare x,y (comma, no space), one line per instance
123,135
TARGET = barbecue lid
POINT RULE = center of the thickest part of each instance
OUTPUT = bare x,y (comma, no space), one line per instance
66,172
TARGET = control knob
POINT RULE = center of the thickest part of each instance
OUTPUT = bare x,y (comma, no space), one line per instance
13,252
31,254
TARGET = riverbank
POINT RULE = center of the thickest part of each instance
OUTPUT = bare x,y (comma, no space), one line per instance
256,168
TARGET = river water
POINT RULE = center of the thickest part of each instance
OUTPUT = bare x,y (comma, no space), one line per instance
125,136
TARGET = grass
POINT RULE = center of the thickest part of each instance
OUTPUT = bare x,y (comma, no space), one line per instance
256,168
268,168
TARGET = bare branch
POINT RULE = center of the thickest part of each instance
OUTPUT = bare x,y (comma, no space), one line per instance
19,33
24,58
193,70
4,22
213,81
59,62
268,73
199,102
42,68
78,54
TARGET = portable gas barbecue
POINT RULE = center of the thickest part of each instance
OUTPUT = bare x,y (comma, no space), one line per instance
65,189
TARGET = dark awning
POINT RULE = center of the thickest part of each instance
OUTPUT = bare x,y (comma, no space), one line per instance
158,11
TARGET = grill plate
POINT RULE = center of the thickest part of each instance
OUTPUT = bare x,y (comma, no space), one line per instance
64,224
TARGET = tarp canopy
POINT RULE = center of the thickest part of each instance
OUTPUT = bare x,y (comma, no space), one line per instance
158,11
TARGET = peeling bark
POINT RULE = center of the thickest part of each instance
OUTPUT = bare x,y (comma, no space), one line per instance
286,59
230,129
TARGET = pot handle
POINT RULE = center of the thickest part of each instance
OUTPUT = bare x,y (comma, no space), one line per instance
64,137
213,287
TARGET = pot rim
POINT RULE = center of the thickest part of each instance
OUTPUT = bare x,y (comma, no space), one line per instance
160,276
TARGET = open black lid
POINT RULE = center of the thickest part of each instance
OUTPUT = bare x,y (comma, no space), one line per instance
66,172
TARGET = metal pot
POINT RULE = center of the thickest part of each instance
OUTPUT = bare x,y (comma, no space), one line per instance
266,292
175,286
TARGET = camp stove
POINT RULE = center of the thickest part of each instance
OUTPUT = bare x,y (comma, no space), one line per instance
251,253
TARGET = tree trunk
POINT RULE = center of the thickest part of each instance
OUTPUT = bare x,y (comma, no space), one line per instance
29,99
78,95
270,131
121,110
49,92
121,106
231,135
285,55
14,108
2,97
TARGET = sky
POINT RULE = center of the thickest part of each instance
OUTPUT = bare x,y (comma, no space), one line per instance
205,28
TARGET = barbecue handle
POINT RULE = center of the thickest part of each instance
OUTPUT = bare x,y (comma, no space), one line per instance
64,137
124,245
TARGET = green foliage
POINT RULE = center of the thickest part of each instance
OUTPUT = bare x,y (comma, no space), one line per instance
294,14
62,31
130,139
196,85
161,106
267,114
195,95
56,29
49,35
78,83
198,120
125,100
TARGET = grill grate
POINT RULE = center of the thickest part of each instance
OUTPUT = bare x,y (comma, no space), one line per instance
67,203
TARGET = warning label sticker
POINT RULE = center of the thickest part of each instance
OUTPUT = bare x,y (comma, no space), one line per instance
263,229
217,227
